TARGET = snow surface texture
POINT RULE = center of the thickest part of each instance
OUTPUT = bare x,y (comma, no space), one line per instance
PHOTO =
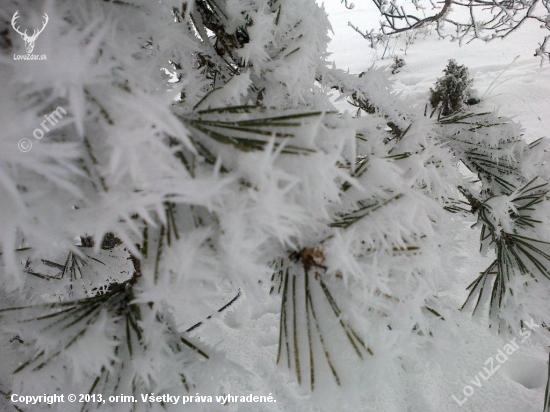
515,87
269,204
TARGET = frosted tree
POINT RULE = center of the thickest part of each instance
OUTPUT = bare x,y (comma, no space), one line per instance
202,221
461,21
452,90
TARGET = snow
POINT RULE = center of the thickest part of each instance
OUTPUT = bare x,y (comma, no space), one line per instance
273,214
506,74
507,78
514,85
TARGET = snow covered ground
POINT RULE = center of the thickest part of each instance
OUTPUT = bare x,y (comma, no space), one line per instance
510,79
517,87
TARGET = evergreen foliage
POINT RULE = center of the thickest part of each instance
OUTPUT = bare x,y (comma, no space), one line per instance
204,221
452,90
398,63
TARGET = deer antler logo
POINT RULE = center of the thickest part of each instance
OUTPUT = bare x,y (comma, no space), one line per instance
29,40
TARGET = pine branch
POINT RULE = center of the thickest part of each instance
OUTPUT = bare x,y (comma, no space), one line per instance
307,260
